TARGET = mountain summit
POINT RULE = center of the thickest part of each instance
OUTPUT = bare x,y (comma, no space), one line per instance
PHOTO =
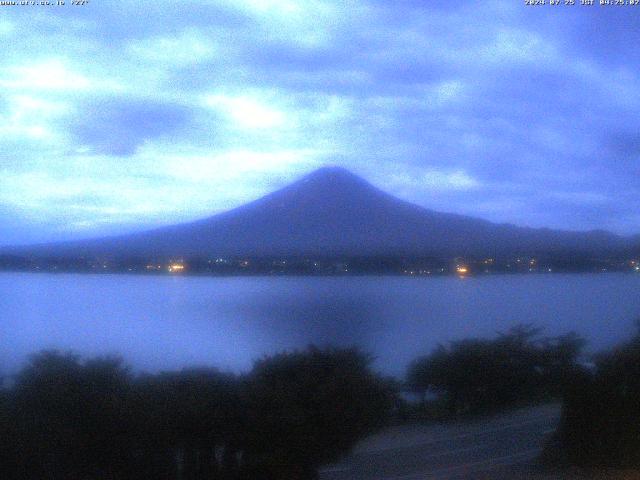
331,211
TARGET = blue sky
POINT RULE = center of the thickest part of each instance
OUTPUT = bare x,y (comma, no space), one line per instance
119,116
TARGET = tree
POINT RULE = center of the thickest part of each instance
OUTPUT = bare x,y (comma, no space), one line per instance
600,423
7,454
71,419
475,375
188,416
308,408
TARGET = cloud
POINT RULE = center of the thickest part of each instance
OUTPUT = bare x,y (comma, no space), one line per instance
114,126
6,27
512,46
247,112
433,180
521,115
457,180
189,47
49,74
31,117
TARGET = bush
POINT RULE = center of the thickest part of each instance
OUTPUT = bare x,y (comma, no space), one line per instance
477,375
308,408
183,419
72,419
600,423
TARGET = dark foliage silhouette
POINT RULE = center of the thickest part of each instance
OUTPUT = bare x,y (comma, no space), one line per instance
68,419
600,423
190,422
308,408
477,375
65,418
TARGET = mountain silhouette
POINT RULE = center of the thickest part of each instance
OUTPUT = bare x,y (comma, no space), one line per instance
334,212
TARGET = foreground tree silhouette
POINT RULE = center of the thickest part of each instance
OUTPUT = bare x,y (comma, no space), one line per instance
600,423
475,375
71,420
184,419
6,433
308,408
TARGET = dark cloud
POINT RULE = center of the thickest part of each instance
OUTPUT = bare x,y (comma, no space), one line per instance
117,127
606,34
626,146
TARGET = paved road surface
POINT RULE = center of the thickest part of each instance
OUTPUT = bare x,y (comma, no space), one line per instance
457,451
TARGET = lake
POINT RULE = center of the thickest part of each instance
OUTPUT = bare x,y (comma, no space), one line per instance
169,322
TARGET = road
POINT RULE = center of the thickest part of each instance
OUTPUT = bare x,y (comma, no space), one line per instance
479,449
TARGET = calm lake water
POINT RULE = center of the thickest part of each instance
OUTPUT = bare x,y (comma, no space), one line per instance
171,322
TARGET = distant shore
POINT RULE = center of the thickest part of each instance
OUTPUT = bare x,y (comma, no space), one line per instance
410,266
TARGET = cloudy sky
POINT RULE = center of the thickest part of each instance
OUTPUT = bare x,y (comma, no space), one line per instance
122,115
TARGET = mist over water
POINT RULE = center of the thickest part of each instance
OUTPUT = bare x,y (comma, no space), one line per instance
161,322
